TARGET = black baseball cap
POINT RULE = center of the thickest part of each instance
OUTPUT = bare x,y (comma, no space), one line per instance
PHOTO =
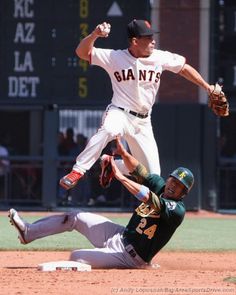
139,28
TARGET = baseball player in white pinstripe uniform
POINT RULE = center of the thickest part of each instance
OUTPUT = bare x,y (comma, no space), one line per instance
135,75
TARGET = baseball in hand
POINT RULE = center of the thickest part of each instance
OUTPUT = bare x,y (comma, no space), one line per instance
105,29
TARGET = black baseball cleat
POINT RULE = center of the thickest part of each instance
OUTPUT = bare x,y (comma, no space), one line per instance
107,174
18,223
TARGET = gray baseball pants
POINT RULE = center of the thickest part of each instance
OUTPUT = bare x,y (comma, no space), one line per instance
104,235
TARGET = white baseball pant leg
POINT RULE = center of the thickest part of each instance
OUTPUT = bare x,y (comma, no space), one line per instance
137,132
143,145
114,122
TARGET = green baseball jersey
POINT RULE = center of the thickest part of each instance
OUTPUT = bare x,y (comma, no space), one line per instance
149,229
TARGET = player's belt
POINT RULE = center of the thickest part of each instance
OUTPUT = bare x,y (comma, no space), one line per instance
131,251
129,248
142,116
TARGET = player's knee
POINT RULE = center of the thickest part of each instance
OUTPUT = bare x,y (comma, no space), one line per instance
75,256
69,220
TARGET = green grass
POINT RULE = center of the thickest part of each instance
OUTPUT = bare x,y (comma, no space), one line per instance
206,234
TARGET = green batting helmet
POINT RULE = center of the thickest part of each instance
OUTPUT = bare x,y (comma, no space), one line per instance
185,176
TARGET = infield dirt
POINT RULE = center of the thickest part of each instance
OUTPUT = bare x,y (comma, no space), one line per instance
180,273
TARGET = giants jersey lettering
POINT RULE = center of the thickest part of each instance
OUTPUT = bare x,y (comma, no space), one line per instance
135,81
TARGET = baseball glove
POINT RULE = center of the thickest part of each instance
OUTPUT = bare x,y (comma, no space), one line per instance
218,102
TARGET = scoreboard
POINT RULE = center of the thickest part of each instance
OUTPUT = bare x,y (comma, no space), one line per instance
38,38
